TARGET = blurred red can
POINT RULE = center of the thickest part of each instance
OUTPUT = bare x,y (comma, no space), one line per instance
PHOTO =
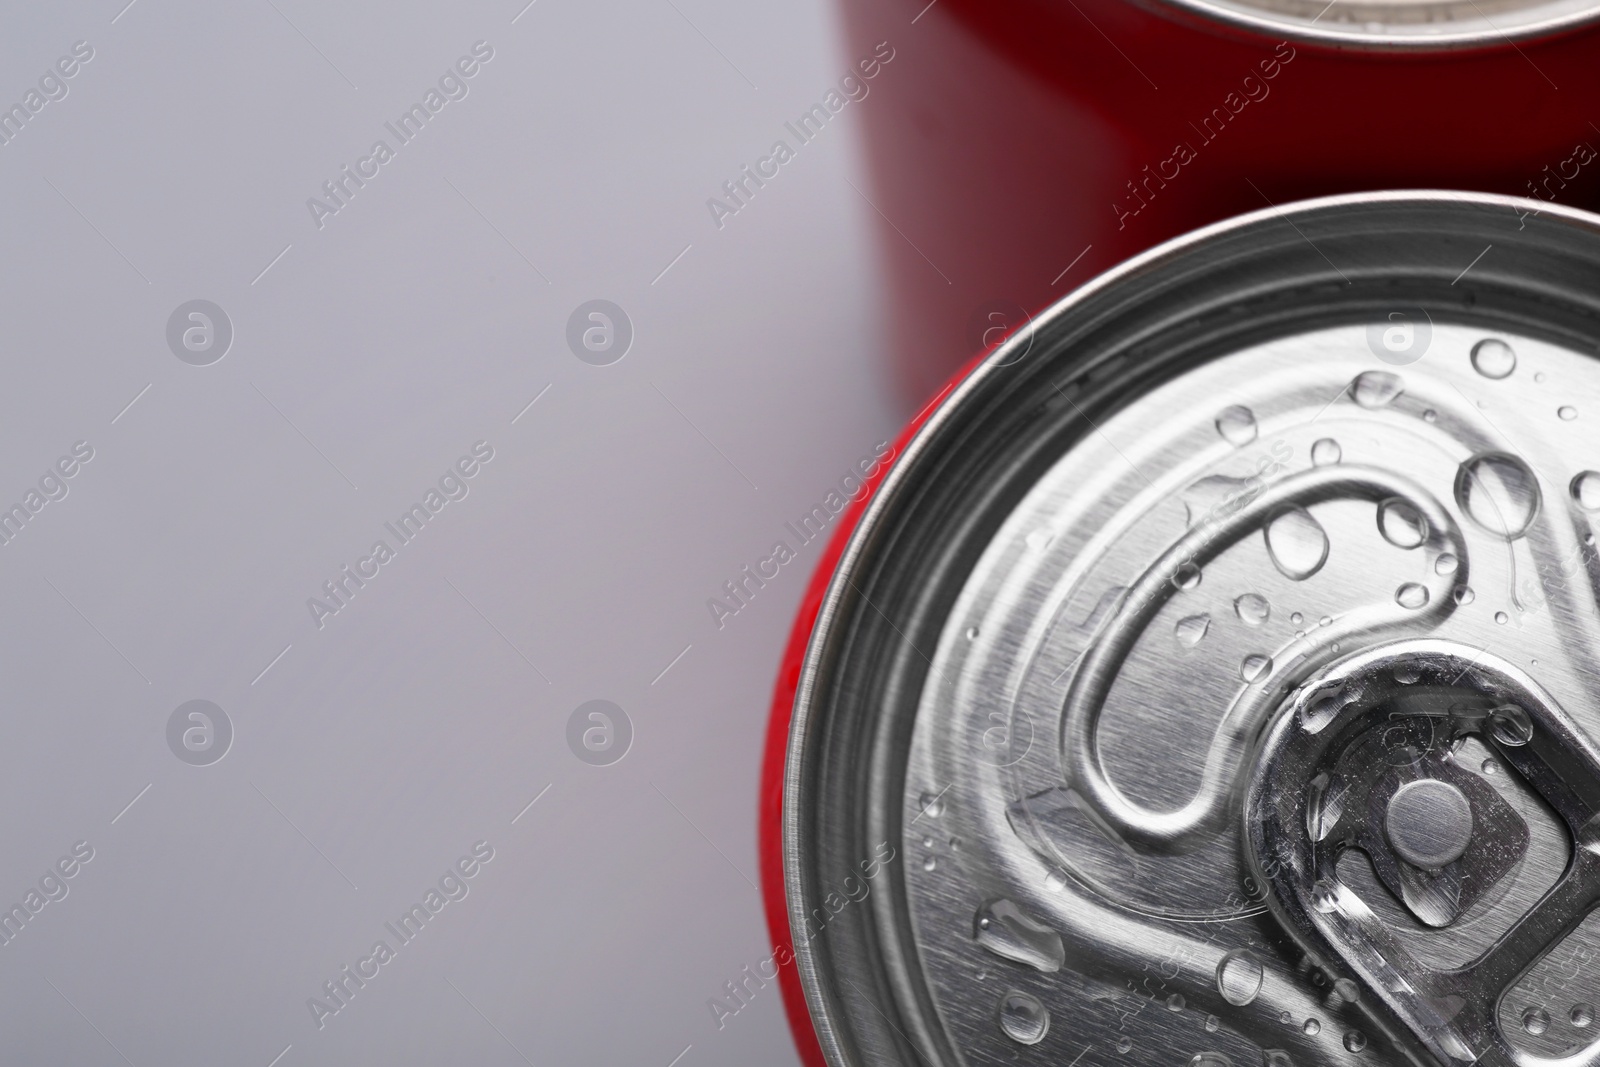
1020,147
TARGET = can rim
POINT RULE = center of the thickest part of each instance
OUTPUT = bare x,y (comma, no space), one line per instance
895,480
1478,32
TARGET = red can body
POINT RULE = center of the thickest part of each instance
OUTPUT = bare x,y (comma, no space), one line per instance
1019,147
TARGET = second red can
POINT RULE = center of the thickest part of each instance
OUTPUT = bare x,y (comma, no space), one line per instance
1019,147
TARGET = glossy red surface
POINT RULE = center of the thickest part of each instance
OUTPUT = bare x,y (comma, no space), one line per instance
1009,139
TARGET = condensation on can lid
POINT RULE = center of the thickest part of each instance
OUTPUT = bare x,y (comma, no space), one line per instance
1221,671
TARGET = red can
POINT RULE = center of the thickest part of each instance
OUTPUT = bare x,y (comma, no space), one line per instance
1292,484
1020,147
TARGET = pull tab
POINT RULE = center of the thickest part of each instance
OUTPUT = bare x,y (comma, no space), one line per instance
1362,757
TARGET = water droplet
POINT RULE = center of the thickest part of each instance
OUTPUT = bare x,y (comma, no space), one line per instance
1326,620
1253,608
929,864
1190,630
927,842
1499,493
1285,1018
1297,618
1493,358
1187,576
1175,1002
1297,543
1210,1059
1536,1021
1501,617
1237,425
1446,564
972,633
1539,377
1355,1041
1464,595
1055,881
1430,416
1586,490
1009,932
1276,1057
1567,412
1239,977
1213,1024
1023,1019
1254,667
1490,767
1401,524
1312,1028
1038,539
1324,897
1412,596
955,844
1377,388
1218,496
1326,452
1407,675
1511,726
1327,805
1347,990
1124,1043
1581,1015
1322,708
931,804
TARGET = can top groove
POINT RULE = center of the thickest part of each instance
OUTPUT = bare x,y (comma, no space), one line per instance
1212,677
1390,25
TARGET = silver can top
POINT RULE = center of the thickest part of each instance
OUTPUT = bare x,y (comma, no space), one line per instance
1400,24
1240,708
1139,618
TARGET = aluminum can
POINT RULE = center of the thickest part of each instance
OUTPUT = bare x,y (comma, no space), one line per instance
1213,676
1019,147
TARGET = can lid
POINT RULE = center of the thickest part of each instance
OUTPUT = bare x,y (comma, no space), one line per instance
1214,682
1400,24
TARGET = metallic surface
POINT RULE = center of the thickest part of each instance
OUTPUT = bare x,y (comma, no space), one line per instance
1101,577
1429,823
1454,691
1396,23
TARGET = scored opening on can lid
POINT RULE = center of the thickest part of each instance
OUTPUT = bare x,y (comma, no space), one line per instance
1214,683
1391,24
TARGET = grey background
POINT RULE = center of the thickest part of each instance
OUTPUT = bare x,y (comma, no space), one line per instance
368,356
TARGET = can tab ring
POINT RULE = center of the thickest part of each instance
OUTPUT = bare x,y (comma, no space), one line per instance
1360,757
